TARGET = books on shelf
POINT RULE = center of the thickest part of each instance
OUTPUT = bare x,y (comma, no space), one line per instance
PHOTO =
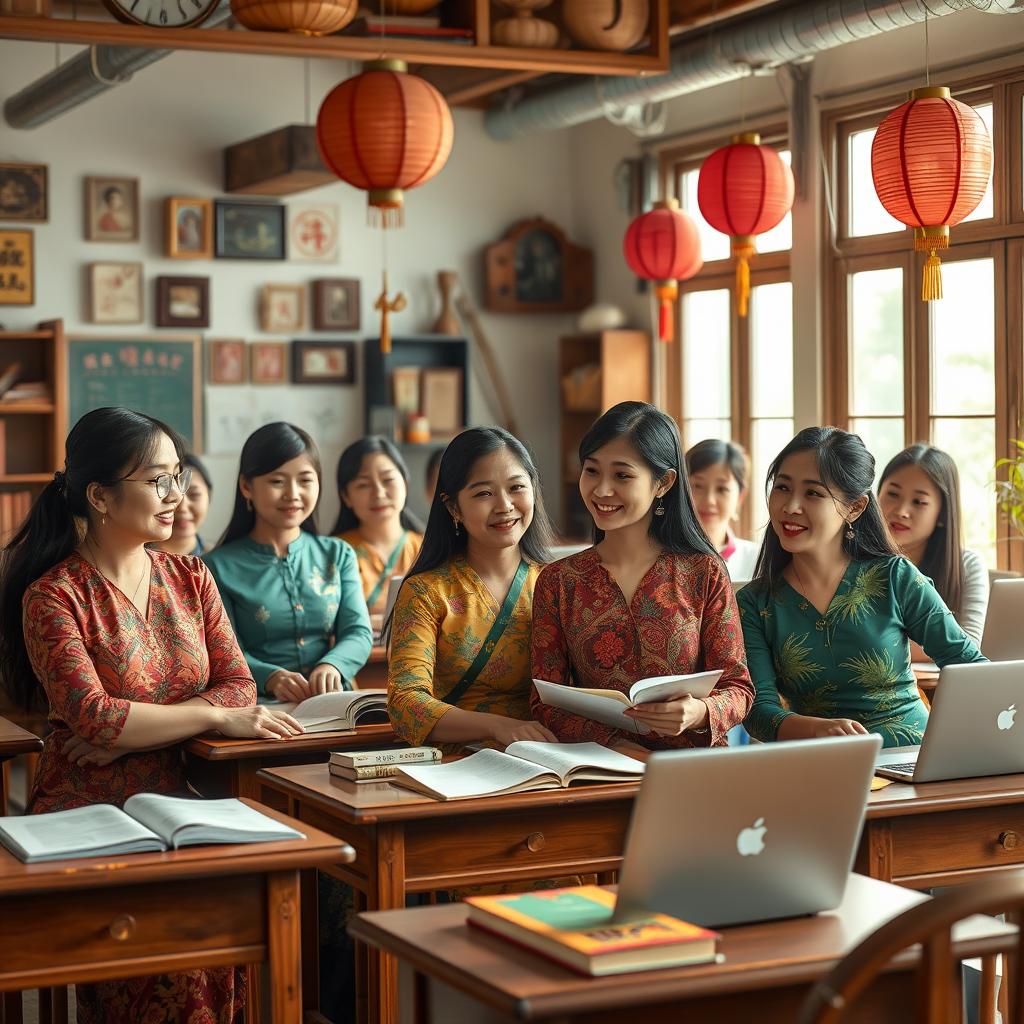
607,706
340,711
523,766
371,765
149,822
576,928
14,507
8,377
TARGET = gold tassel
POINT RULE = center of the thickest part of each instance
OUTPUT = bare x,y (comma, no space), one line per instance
742,250
931,280
386,306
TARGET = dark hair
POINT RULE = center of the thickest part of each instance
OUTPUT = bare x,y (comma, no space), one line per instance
349,465
104,447
110,191
656,440
265,450
713,452
943,553
847,469
194,463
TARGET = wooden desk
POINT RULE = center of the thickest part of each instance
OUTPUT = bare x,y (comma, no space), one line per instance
451,972
13,741
95,919
374,674
219,767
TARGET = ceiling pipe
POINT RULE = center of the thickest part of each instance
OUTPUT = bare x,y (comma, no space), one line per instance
768,39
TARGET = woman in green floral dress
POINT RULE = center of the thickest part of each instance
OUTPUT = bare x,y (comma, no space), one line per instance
829,616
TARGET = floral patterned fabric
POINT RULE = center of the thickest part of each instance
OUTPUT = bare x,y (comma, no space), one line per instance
94,654
853,661
371,565
682,619
440,621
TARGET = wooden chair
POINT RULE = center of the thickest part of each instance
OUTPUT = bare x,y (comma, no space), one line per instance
939,989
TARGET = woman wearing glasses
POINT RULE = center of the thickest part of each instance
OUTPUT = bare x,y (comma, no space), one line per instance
134,653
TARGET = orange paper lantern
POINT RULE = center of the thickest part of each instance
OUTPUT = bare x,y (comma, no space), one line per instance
931,160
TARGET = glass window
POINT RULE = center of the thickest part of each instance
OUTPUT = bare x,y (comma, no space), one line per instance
780,237
701,430
867,215
876,342
707,322
883,437
984,209
767,438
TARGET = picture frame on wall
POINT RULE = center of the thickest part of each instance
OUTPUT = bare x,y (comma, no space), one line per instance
115,293
227,361
24,193
405,390
268,362
182,301
189,228
17,260
336,304
441,401
313,232
111,209
323,362
249,231
282,308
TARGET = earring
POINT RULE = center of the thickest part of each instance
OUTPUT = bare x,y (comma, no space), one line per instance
660,508
940,523
849,535
103,520
456,522
248,504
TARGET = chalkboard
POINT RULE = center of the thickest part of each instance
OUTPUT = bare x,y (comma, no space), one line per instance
160,376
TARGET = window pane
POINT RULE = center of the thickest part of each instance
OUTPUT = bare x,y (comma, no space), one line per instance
867,215
985,207
707,320
876,342
962,330
771,350
972,443
767,439
713,244
882,437
701,430
781,236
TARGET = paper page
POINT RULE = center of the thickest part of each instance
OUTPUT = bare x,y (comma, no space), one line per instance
587,705
326,707
76,831
486,771
563,758
169,816
663,688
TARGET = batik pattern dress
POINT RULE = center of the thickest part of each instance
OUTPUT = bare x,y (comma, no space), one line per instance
853,661
94,653
682,619
372,566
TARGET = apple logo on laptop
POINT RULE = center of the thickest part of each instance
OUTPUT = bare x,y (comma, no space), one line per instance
750,841
1005,718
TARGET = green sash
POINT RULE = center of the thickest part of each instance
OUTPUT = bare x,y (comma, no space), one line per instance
496,632
371,598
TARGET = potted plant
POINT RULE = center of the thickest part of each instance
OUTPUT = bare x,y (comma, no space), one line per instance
1011,490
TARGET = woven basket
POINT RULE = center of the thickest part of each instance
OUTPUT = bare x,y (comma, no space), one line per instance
309,17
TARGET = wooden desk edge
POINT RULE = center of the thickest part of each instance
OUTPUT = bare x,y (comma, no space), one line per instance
218,748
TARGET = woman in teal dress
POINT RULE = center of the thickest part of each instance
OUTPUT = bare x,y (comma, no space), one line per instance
833,606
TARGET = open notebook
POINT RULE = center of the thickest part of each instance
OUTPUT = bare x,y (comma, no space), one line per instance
339,711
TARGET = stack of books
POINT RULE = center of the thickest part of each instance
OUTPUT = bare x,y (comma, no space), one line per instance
372,765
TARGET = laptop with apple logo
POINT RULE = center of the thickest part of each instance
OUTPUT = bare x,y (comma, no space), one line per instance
733,835
973,727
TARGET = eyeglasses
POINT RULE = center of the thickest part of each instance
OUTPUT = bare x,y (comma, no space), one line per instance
165,481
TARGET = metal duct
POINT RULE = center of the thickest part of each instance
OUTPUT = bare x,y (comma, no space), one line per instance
92,72
771,38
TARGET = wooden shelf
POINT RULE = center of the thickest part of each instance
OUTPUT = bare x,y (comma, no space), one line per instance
26,478
26,408
24,335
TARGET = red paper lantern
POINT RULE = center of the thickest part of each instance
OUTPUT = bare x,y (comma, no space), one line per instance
931,160
743,190
663,245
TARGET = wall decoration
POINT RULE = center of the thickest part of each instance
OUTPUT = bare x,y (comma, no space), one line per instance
441,401
23,192
228,361
268,362
385,421
313,232
447,322
405,389
336,304
249,231
182,301
115,293
162,13
282,308
606,24
112,209
17,267
189,226
536,269
323,362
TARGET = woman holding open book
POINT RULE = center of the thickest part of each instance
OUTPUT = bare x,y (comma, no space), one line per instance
135,655
650,598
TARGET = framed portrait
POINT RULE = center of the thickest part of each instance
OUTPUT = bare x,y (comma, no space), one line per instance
112,209
115,293
23,192
226,361
189,224
282,308
182,301
405,390
336,304
268,362
441,400
323,362
17,267
313,232
249,231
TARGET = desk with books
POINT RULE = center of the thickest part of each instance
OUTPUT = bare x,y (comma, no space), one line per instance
14,741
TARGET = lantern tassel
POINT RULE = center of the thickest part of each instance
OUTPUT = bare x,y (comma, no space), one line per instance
742,250
931,280
667,293
387,217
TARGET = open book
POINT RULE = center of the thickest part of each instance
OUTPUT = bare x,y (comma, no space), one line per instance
523,766
607,706
339,711
149,821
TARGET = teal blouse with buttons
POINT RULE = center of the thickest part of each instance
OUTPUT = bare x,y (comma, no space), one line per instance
295,612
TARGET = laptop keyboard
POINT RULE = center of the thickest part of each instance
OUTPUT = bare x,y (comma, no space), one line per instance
906,768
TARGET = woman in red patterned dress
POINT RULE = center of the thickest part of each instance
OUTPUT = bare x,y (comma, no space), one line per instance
135,654
650,598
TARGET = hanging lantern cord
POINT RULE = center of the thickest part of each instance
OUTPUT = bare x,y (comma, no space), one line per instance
742,250
667,292
929,240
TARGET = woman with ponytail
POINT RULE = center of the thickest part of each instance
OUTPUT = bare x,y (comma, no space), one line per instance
134,654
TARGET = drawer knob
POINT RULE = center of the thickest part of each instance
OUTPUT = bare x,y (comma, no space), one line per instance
1008,840
535,842
122,928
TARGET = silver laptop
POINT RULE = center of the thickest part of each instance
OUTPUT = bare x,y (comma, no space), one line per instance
1003,639
741,834
972,729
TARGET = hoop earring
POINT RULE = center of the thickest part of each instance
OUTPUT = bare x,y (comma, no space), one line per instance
660,508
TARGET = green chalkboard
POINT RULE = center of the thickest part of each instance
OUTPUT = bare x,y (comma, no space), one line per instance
160,376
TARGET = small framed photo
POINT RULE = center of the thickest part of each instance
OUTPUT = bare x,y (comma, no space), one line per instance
313,232
112,209
189,224
405,390
115,293
17,261
23,192
249,231
323,362
268,362
227,361
441,400
182,302
282,308
336,304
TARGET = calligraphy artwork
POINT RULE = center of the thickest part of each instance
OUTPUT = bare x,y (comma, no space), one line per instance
17,268
313,232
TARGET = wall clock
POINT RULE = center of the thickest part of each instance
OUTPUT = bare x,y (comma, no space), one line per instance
162,13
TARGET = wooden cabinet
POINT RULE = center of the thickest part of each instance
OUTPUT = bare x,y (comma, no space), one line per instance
596,371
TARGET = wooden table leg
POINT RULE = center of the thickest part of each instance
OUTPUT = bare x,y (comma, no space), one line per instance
59,997
387,893
310,941
987,991
283,950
